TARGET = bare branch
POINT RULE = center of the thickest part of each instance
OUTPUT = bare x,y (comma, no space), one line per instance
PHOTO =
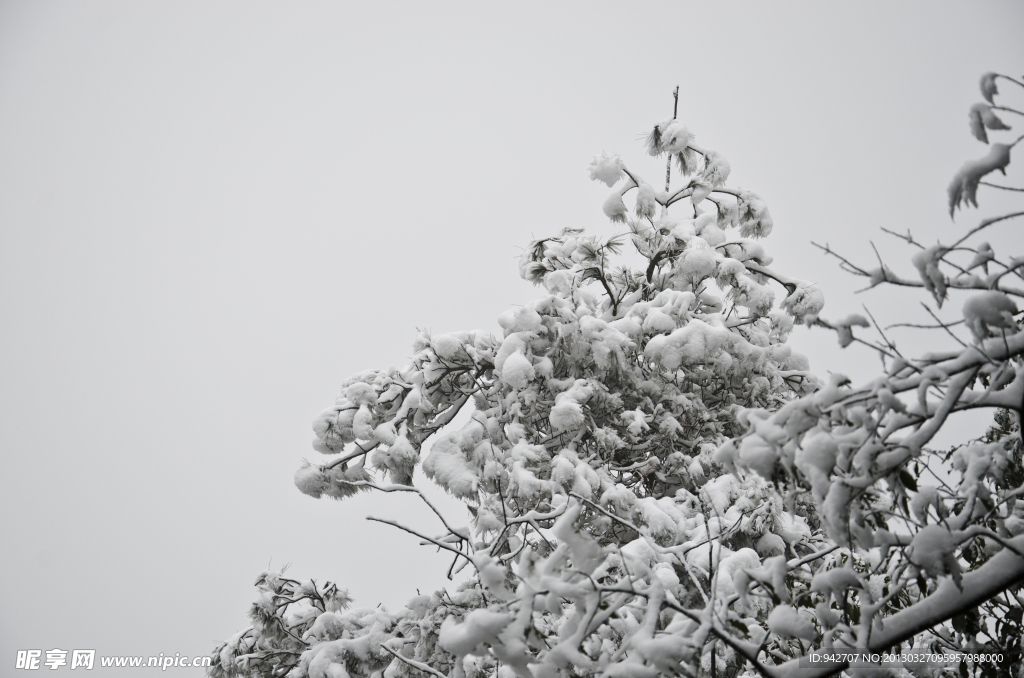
435,542
985,223
1004,188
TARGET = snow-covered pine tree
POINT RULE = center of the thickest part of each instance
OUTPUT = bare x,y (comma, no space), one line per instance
603,535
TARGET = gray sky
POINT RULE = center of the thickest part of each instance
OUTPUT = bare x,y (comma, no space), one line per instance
213,212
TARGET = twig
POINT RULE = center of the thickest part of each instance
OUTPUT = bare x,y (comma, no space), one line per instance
435,542
845,263
1006,77
924,327
810,557
943,325
1007,109
985,223
888,343
1005,188
353,455
908,238
414,664
668,163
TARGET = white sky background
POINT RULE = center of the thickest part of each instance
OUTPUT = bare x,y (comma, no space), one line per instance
213,213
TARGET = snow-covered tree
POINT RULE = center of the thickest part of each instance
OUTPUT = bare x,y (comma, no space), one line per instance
936,537
655,482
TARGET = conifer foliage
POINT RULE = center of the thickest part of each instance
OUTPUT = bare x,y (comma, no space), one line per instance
655,483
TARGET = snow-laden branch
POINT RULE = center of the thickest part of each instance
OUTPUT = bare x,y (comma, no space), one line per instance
655,482
1004,571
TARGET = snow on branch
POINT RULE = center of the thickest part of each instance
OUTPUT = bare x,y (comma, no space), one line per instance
655,483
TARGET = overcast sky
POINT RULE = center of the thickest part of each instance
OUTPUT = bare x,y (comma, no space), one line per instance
211,213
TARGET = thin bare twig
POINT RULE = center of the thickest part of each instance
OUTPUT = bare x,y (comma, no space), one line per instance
890,344
1005,188
943,325
349,457
413,532
845,263
924,327
985,223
